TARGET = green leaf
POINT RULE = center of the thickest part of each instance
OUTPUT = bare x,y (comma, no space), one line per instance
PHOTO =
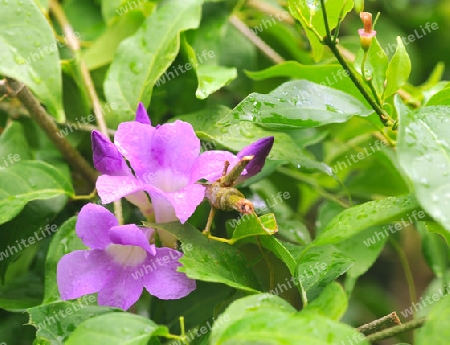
309,14
238,135
21,292
333,76
29,53
423,148
142,58
436,228
251,225
297,104
111,9
358,218
436,330
13,142
26,181
440,98
332,302
268,320
210,77
319,266
398,70
102,51
118,328
64,241
280,251
376,65
210,260
56,321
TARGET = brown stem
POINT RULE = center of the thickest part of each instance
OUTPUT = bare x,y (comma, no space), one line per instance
393,331
383,323
74,44
256,40
14,88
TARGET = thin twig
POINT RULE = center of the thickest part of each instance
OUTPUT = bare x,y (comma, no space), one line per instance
393,331
381,324
256,40
14,88
74,45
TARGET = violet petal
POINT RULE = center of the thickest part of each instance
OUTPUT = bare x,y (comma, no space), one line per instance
122,291
141,115
83,272
163,281
107,158
93,224
259,150
131,235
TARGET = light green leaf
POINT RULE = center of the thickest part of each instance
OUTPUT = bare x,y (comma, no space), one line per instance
309,14
117,328
332,302
269,320
210,260
102,51
436,330
29,53
297,104
251,225
142,58
423,148
398,70
210,77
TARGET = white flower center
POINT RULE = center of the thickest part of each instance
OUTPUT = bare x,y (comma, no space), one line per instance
127,255
169,181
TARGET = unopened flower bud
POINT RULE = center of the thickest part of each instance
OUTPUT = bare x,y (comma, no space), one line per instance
359,6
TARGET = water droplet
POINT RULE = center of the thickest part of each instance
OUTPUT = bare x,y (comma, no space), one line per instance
37,44
135,67
18,11
20,60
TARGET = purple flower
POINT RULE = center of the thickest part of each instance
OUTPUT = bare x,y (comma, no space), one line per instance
119,263
166,164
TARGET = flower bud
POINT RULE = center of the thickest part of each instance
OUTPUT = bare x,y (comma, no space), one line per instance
359,6
367,33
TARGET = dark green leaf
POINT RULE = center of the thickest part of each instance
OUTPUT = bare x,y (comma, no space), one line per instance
26,181
56,321
210,260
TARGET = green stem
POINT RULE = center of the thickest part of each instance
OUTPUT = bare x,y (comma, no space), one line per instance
328,40
406,268
391,332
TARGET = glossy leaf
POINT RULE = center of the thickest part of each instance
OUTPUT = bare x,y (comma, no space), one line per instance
398,70
333,76
423,142
210,260
146,55
358,218
237,136
119,328
297,104
29,53
251,225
